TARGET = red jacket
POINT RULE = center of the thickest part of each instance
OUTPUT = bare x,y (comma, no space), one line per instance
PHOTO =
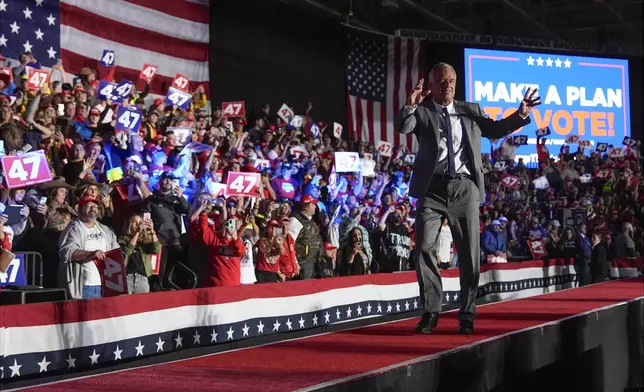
223,267
287,259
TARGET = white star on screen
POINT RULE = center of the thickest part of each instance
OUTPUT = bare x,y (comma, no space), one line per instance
27,13
160,344
230,333
15,28
289,324
539,61
558,62
39,34
71,362
43,364
139,349
260,327
117,353
245,330
178,341
94,357
567,63
301,321
549,62
196,338
15,369
530,60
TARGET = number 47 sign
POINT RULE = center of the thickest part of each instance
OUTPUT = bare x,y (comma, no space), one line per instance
243,184
27,169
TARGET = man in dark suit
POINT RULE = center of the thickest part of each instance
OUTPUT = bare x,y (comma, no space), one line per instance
448,181
599,267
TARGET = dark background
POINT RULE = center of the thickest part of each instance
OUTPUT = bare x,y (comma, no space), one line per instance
269,52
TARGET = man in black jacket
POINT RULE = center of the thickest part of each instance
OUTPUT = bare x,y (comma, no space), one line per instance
599,268
166,206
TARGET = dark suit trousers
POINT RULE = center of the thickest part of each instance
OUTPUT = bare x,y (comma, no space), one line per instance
458,200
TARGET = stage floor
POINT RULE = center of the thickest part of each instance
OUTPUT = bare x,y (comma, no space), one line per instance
339,357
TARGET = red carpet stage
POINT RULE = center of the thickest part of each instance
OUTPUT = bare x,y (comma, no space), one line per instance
512,337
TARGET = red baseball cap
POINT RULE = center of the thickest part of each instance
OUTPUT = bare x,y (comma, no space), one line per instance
308,199
157,102
329,246
273,223
87,200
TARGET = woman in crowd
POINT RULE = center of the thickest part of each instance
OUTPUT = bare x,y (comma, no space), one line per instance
141,252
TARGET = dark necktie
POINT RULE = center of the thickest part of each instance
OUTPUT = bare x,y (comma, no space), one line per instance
451,170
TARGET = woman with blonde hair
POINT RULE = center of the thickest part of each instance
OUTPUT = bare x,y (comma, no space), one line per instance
141,248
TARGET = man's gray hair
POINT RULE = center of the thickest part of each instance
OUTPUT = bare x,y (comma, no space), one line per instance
440,66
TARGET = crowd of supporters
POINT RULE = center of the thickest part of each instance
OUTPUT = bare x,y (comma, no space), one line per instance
306,221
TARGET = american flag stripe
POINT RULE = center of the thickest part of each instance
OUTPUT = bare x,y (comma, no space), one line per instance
371,113
172,36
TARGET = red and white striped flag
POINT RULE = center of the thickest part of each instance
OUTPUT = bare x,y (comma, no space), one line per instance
381,72
172,35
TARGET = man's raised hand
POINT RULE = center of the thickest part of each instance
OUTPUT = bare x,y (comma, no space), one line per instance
529,101
417,94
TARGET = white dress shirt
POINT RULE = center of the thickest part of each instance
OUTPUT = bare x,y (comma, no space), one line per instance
461,154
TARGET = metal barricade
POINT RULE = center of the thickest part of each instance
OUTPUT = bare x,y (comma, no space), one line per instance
33,268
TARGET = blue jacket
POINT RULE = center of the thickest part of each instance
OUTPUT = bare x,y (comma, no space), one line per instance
493,242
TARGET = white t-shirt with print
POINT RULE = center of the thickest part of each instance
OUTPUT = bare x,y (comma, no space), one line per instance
94,240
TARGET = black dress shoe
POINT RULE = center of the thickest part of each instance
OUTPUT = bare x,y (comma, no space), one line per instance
428,321
466,327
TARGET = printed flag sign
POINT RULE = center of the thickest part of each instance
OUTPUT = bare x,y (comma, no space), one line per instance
629,142
541,132
243,184
36,78
584,143
520,140
233,109
15,272
262,164
384,148
148,71
541,182
106,90
129,193
601,147
538,249
510,181
285,113
337,130
178,98
128,119
572,139
107,59
112,270
616,153
122,91
180,82
25,169
347,162
500,165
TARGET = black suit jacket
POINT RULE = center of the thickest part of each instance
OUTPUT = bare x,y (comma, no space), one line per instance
599,261
425,122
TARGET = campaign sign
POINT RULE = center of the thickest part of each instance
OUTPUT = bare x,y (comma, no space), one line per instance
584,96
347,162
285,113
409,159
129,193
584,143
541,132
107,59
510,181
337,130
601,147
384,148
155,261
315,130
25,169
36,78
520,140
368,167
183,134
538,249
629,142
128,119
15,274
216,189
233,109
178,98
148,71
113,276
616,152
122,91
243,184
180,82
262,164
297,121
500,165
572,139
106,90
603,174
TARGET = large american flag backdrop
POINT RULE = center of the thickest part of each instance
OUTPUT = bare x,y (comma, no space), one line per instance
172,35
381,72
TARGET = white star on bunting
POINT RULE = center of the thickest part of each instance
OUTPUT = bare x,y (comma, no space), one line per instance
178,341
160,344
139,349
27,46
368,308
301,321
349,312
415,304
359,310
230,333
3,40
260,327
43,364
315,319
39,3
289,324
117,353
213,336
94,357
71,362
389,307
276,326
397,307
567,63
327,317
337,314
245,330
196,338
379,309
15,369
3,5
406,305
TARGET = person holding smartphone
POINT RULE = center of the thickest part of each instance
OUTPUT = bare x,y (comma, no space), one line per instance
225,248
270,250
139,245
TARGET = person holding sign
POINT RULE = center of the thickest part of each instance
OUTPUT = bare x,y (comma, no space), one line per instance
84,241
449,134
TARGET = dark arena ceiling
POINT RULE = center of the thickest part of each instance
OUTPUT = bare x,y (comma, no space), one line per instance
601,26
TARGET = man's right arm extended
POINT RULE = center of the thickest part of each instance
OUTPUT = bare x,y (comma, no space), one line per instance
405,120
